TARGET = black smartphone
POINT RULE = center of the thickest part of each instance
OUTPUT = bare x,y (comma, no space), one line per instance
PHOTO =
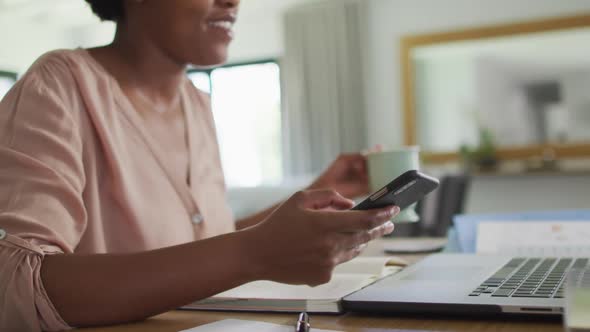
403,191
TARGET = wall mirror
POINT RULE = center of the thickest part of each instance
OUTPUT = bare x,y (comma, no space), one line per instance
528,84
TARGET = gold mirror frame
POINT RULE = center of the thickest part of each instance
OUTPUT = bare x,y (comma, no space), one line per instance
574,150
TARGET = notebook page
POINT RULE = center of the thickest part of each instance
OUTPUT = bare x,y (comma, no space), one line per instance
369,265
236,325
531,238
340,286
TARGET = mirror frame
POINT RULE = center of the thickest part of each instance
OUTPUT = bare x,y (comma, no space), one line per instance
408,43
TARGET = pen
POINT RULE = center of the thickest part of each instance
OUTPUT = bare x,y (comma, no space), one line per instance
302,323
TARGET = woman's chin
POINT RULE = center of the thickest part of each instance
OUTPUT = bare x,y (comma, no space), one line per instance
210,60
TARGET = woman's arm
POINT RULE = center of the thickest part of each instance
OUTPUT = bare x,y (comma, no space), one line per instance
107,289
255,218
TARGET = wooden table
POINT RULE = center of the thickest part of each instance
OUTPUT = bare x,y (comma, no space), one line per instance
174,321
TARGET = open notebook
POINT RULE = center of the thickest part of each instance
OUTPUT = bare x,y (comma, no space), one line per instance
546,238
272,296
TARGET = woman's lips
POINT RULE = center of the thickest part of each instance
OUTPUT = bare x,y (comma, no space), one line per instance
227,25
223,24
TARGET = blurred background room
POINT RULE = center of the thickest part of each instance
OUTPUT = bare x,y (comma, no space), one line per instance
496,94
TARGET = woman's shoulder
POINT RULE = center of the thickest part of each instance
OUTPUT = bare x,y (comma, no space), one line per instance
51,81
56,61
51,70
61,72
61,65
59,56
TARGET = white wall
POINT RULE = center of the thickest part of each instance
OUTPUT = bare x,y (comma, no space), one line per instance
259,29
391,19
29,28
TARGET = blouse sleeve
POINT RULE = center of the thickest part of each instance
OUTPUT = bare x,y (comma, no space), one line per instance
41,185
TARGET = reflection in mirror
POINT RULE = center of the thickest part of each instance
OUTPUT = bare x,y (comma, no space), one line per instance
525,89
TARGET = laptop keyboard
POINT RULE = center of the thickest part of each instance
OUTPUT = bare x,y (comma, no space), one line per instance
530,277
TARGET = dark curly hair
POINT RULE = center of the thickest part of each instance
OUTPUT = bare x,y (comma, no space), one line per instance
108,10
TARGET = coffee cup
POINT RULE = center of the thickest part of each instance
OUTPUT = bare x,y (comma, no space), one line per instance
384,166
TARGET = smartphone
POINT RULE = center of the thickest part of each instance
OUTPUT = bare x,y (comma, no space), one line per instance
403,191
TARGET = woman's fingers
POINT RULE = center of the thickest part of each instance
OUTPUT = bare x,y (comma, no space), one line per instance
361,238
353,244
352,221
331,237
350,254
321,199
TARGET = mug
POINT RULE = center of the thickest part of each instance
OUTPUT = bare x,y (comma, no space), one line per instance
384,166
577,299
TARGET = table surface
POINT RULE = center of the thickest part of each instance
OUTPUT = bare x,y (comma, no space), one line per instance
174,321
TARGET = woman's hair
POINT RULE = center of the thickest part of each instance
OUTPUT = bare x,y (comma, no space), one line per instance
108,10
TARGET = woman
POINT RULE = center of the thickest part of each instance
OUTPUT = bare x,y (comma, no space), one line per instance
112,200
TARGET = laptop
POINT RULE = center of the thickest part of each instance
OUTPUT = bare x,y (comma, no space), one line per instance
471,284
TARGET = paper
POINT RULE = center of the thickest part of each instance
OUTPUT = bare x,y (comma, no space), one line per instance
274,296
415,245
534,238
377,266
347,278
340,286
236,325
466,225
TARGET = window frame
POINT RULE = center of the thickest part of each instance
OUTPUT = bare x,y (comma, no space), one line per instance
9,74
209,71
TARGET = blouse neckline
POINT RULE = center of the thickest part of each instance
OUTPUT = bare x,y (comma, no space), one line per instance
182,188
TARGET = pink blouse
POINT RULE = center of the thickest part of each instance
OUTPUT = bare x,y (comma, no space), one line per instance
79,173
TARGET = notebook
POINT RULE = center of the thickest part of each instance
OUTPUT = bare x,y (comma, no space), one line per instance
272,296
236,325
466,225
534,238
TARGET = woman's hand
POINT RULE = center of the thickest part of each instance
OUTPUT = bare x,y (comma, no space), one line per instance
346,175
312,232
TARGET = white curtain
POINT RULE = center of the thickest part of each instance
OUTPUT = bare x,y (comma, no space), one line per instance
323,101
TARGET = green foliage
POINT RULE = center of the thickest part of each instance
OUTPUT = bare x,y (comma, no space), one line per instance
483,155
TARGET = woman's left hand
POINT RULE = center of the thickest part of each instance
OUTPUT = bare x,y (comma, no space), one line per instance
347,175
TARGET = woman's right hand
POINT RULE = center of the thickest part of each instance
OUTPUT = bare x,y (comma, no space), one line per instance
308,235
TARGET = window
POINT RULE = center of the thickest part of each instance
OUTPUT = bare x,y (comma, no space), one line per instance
246,103
201,80
6,82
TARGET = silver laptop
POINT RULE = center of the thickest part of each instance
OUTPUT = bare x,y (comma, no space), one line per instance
471,284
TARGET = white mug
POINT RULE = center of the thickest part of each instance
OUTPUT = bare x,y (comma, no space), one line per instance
384,166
